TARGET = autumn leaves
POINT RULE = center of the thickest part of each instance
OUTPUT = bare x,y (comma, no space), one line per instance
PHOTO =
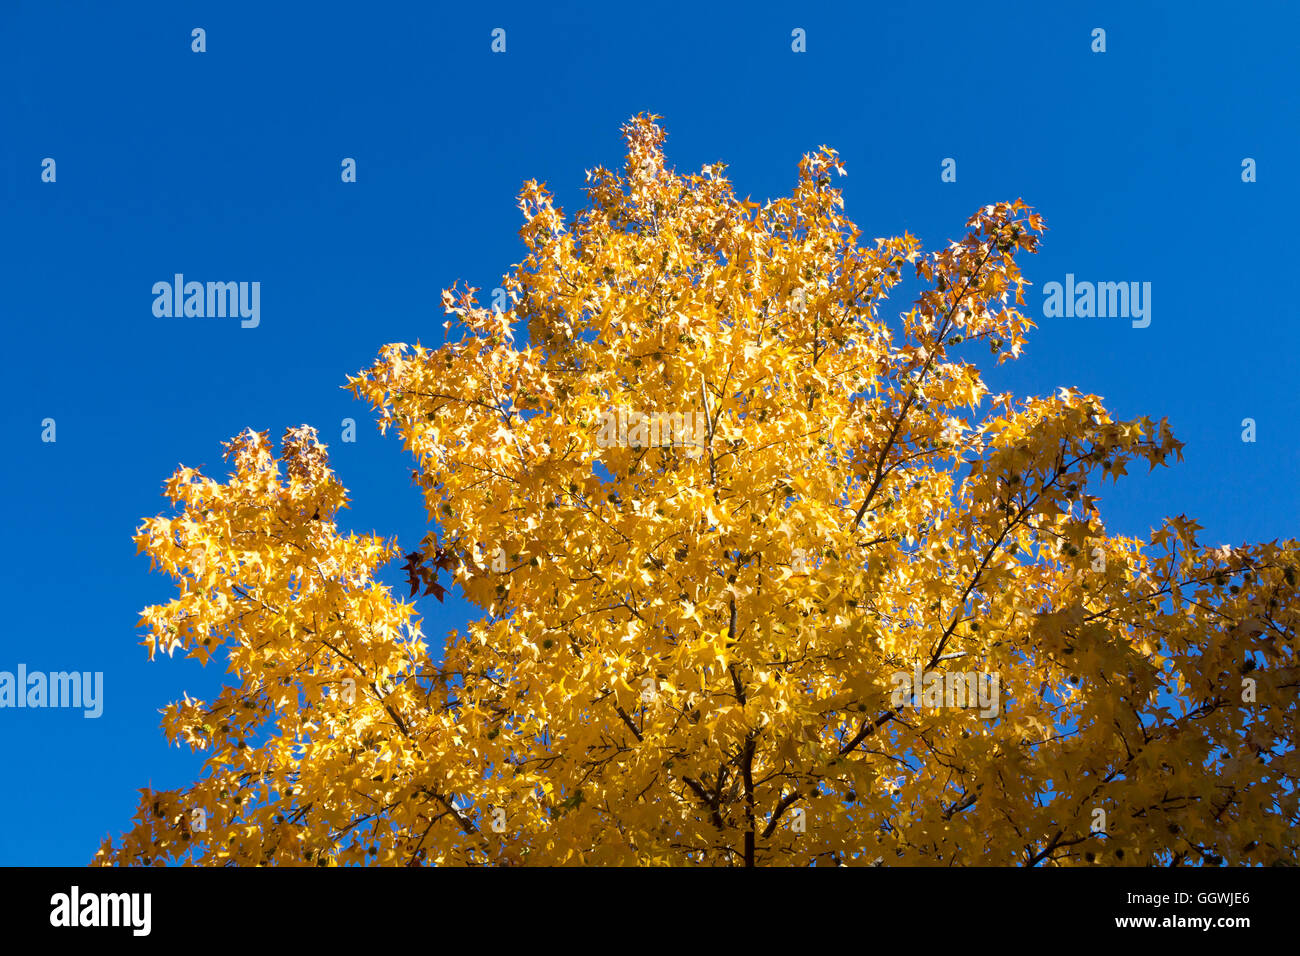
679,655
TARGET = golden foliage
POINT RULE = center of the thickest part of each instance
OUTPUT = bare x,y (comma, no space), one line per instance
688,649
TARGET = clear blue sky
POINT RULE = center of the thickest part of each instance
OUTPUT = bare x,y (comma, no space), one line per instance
225,165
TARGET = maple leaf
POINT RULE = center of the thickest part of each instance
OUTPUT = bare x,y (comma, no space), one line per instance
412,569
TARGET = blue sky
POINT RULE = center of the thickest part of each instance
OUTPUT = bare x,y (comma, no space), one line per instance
225,165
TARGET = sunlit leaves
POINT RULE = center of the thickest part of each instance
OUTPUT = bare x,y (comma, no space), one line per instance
687,651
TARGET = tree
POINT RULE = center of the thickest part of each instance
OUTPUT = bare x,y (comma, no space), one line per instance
765,580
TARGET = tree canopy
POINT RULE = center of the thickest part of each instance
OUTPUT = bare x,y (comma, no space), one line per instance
765,578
